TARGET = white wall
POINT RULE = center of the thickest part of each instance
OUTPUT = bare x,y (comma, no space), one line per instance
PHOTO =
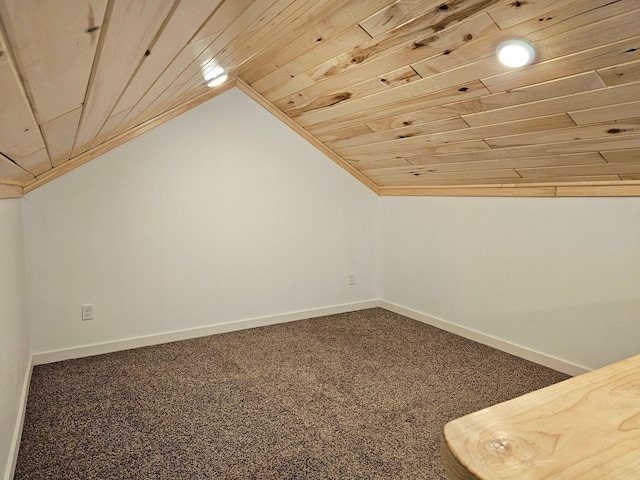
14,334
221,214
224,214
557,276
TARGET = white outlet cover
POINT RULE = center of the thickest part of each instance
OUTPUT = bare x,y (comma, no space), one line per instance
87,311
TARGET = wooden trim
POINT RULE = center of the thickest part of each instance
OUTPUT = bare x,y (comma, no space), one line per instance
598,191
10,191
306,135
124,137
8,181
475,191
585,189
590,183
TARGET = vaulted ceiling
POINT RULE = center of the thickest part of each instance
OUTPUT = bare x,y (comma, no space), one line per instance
406,95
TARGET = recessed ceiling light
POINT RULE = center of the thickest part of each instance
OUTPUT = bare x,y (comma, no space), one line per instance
214,82
515,53
216,76
213,73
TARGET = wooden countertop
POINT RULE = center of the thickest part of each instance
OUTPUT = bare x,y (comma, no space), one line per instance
587,428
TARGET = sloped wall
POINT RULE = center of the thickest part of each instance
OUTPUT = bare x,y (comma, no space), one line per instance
14,333
556,276
219,215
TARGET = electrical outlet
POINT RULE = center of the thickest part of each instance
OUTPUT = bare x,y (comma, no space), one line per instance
352,279
87,311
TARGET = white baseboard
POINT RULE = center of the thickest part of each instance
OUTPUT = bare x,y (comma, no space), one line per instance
17,430
173,336
126,344
518,350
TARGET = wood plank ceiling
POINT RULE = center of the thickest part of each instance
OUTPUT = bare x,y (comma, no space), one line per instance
407,95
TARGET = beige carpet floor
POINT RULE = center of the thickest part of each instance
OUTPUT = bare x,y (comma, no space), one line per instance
361,395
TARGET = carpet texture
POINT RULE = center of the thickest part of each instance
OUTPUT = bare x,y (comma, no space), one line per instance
361,395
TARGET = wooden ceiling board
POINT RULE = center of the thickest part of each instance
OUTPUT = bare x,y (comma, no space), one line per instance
516,163
35,163
19,132
224,42
579,36
269,30
323,21
55,53
344,133
580,170
484,101
395,15
191,61
178,31
592,99
129,31
596,58
407,139
617,111
446,96
508,15
383,55
10,172
405,95
534,28
629,127
259,33
138,114
231,48
291,76
59,135
410,131
416,155
614,156
621,74
110,127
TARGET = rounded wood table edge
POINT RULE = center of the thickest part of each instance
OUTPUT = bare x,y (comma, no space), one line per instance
452,465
